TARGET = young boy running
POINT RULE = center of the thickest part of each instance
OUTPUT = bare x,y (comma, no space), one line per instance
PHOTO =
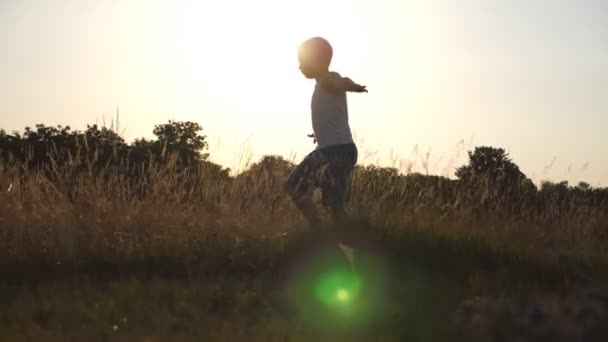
330,165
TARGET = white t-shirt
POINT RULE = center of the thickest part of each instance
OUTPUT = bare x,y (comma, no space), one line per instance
330,117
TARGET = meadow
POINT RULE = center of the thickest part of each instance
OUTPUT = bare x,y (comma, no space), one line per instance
88,251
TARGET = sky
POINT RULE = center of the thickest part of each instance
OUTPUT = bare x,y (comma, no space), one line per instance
443,76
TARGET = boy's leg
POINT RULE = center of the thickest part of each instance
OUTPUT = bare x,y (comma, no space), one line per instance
334,200
336,179
334,186
300,185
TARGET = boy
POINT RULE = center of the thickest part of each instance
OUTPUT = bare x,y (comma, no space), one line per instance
329,166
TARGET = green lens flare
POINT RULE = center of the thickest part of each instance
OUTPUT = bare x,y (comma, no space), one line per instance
334,297
338,287
343,295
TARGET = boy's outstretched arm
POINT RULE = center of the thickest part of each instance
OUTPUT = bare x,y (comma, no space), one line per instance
352,86
334,81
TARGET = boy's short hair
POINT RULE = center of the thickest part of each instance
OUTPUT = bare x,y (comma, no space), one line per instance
318,48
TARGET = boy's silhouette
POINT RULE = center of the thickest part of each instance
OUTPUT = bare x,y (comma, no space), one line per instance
330,165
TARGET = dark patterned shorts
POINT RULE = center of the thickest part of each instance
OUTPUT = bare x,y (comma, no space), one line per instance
328,168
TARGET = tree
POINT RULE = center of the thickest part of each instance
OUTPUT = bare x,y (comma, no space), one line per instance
140,151
493,184
547,186
10,146
268,166
584,186
102,145
492,163
182,138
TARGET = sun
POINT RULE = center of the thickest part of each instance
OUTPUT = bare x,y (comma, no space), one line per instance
244,48
233,66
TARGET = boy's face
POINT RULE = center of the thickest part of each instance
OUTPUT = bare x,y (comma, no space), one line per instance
310,63
307,68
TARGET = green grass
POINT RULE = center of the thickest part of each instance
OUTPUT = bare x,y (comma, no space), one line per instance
423,279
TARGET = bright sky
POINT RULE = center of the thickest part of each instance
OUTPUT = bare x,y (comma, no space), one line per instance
528,76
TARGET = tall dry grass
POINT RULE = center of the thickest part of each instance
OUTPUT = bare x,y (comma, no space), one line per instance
451,240
74,214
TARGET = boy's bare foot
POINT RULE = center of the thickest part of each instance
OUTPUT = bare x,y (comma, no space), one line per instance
349,253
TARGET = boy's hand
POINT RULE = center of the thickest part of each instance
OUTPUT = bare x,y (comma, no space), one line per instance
314,139
358,88
354,87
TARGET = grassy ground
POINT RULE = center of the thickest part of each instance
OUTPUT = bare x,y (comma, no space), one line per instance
108,266
414,291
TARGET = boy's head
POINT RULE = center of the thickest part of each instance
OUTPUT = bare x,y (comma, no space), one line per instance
315,56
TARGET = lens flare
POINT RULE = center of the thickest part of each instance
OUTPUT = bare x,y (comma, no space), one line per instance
338,287
343,295
332,295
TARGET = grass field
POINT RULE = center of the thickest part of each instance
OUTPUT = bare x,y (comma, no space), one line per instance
87,259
